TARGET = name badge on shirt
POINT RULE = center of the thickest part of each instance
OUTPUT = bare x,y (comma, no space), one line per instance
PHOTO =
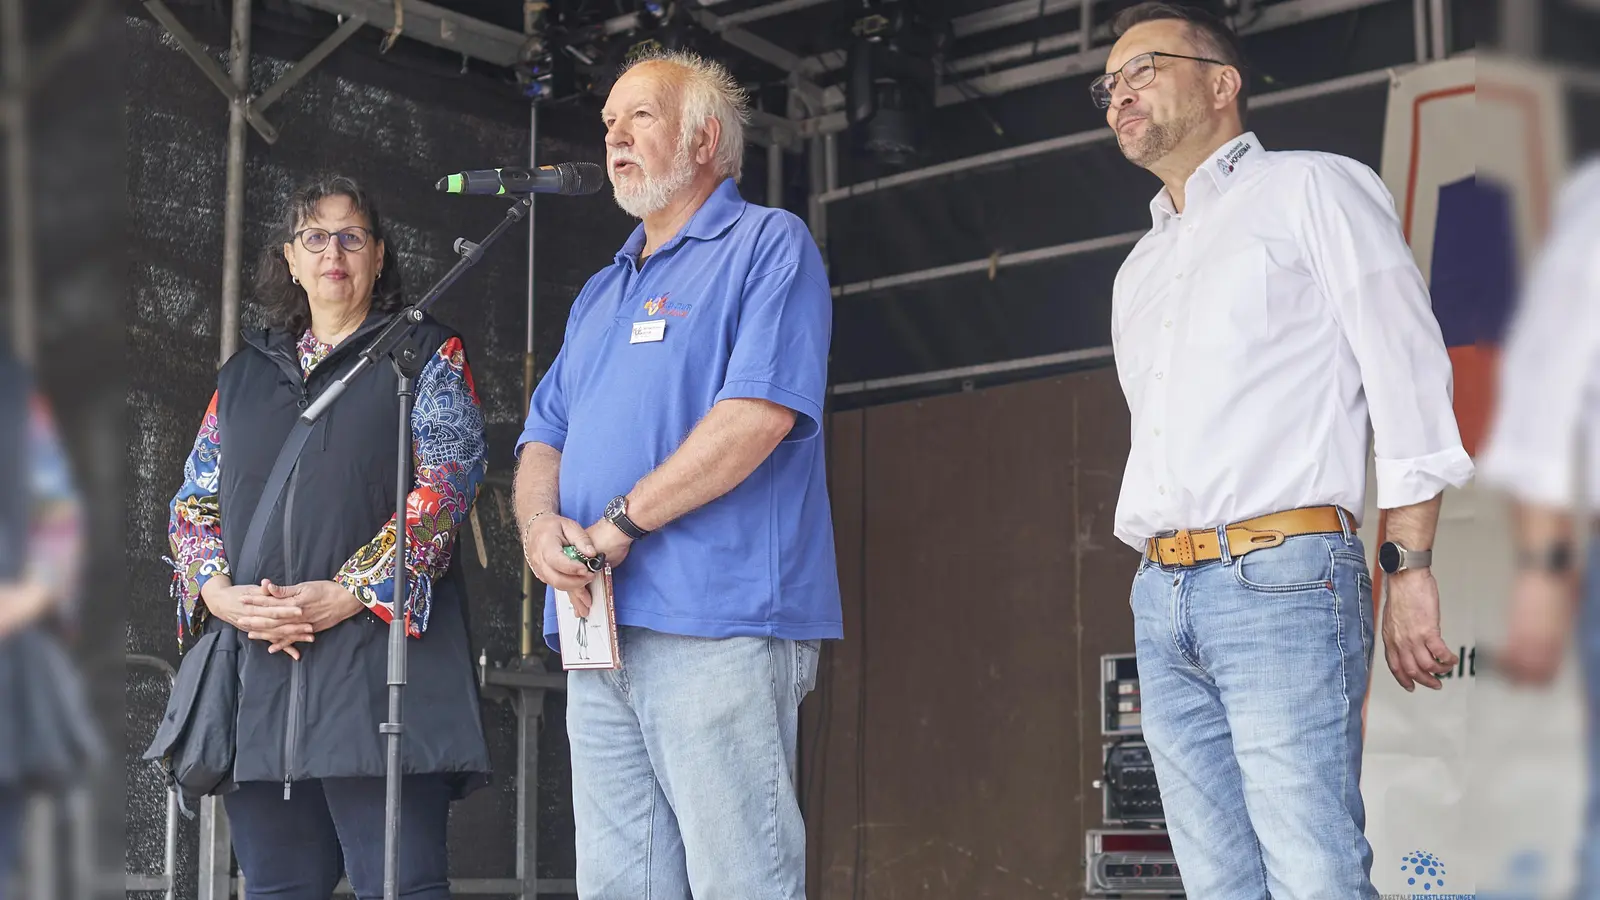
645,332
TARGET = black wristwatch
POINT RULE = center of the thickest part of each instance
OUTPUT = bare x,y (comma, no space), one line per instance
1394,558
1556,559
617,514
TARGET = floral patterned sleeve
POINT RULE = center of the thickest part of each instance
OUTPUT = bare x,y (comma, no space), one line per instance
448,450
56,528
194,528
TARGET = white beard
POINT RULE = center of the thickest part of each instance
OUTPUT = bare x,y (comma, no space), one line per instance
641,200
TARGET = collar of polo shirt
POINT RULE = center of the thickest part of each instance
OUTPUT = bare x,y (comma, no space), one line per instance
712,220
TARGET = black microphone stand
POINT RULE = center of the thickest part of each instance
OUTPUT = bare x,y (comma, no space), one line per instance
408,365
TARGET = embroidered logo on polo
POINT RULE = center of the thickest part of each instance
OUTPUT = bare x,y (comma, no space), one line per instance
663,305
1229,160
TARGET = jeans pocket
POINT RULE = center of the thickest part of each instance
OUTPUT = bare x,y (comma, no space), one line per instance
1364,610
1300,563
806,656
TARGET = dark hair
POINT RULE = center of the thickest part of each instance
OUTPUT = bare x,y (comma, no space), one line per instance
283,301
1212,36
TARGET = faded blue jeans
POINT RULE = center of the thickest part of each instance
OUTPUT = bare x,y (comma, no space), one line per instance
1589,648
1252,673
683,769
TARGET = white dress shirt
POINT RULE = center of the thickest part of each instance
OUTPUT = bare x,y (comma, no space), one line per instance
1256,332
1550,367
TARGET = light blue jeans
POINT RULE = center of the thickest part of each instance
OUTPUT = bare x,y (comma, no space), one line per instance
1589,648
683,769
1252,673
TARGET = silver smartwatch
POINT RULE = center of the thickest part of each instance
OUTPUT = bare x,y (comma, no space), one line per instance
1393,557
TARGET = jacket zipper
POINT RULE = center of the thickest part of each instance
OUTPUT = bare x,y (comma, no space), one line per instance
292,726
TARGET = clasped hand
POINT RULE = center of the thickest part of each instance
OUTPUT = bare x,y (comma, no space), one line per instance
283,616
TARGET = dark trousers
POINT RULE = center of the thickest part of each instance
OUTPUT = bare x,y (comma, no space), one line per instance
13,804
296,849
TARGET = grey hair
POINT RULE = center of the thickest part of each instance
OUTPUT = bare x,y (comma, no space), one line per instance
708,91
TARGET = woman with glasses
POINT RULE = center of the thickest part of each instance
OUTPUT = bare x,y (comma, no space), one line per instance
313,612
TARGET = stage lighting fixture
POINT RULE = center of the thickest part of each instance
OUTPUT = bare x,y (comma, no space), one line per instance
894,46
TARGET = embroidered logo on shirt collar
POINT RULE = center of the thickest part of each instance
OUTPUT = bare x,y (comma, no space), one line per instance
1230,158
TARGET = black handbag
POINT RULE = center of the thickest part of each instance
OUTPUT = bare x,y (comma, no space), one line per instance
50,737
197,737
195,741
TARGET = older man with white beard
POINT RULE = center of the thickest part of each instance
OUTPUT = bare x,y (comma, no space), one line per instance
682,422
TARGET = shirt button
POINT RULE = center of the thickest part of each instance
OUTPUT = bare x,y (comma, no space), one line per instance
1160,375
1178,277
1158,432
1167,324
1162,490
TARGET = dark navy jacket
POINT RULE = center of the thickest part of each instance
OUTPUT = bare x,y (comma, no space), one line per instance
319,717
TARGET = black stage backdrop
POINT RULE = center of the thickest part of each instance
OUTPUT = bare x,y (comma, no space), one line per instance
397,123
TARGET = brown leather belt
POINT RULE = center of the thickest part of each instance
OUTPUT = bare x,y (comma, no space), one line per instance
1186,548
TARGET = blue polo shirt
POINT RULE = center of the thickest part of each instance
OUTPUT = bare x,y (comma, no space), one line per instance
747,312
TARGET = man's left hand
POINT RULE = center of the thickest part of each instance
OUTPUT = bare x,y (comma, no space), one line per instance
1543,605
610,540
1412,642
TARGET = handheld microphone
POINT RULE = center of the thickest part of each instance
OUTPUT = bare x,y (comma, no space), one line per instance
567,178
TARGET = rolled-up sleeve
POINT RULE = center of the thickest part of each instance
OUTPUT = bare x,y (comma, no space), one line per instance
1361,261
1550,366
780,352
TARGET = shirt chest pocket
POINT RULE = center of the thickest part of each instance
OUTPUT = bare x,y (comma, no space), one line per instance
1227,299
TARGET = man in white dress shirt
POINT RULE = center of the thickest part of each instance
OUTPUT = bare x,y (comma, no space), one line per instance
1272,310
1549,404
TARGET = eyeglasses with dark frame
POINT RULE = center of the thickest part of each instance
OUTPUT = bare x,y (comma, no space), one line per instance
1137,73
316,240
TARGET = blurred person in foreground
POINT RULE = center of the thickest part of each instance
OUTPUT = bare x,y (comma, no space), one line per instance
41,545
694,461
310,761
1272,312
1545,433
